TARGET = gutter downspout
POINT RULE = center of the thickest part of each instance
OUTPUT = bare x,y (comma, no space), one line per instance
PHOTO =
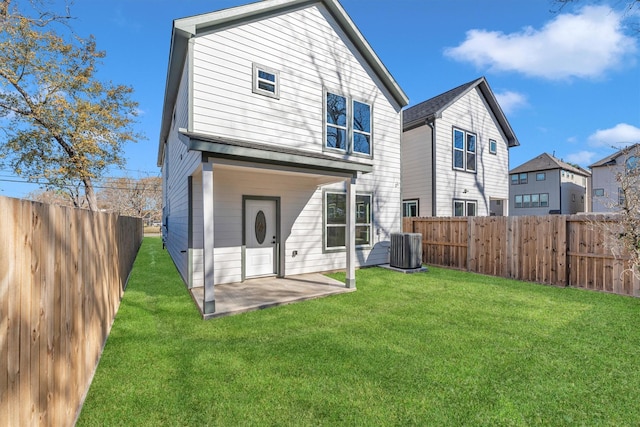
433,167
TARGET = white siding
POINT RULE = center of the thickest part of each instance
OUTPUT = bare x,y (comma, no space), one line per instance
301,202
180,164
470,113
310,55
416,168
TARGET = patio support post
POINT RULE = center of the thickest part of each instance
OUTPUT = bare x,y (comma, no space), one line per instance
209,303
351,233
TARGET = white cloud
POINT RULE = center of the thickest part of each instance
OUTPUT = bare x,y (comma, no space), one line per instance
582,45
583,158
510,101
620,135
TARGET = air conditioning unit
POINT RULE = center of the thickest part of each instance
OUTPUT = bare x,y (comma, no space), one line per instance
406,250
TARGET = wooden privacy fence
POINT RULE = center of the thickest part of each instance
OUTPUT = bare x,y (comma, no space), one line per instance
563,250
62,275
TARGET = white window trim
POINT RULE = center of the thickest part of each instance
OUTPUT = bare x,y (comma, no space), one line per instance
349,128
326,248
408,202
466,206
465,151
257,80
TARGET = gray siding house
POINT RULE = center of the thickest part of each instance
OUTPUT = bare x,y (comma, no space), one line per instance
279,145
455,154
546,185
607,194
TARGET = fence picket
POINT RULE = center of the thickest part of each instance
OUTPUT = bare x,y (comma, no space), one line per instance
63,273
560,250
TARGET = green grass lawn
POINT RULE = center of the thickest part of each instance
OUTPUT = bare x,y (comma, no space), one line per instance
440,348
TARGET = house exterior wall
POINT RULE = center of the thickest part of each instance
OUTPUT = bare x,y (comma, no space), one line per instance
301,222
178,164
417,182
312,55
566,190
470,113
550,185
604,178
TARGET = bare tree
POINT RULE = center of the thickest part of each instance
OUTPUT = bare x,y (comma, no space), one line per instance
622,231
133,197
58,123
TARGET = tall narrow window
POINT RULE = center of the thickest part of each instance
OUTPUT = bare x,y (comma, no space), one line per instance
336,121
458,149
544,200
518,201
471,152
361,128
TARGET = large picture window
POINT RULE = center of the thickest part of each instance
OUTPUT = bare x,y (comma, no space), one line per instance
347,125
336,219
464,150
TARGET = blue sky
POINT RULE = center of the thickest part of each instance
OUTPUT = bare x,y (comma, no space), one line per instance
568,80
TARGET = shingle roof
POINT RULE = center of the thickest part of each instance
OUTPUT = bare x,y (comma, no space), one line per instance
431,109
432,106
546,162
611,159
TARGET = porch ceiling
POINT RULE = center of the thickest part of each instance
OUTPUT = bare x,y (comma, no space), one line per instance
317,163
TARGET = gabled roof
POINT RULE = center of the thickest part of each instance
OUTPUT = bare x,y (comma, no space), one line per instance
431,109
611,160
186,28
547,162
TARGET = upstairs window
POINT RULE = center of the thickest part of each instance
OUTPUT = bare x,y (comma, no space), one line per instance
266,81
493,146
541,176
519,178
464,150
347,125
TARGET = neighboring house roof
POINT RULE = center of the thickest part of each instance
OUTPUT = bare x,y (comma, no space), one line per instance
431,109
547,162
611,160
185,28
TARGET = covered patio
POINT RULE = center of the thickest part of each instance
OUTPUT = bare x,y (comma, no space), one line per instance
265,292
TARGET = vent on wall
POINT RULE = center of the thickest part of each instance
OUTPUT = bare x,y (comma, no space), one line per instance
406,250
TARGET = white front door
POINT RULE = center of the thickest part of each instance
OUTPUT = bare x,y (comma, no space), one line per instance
260,237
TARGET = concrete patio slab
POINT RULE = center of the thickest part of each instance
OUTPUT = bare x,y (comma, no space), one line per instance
265,292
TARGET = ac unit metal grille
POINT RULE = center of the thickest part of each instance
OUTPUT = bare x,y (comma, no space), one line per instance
406,250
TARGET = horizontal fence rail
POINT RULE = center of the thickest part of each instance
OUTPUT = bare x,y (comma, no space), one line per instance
562,250
62,275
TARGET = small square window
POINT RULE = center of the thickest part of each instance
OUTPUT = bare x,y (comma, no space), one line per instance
541,176
598,192
266,81
493,146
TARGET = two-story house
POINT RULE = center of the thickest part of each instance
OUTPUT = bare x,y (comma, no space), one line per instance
609,175
279,145
455,154
546,185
